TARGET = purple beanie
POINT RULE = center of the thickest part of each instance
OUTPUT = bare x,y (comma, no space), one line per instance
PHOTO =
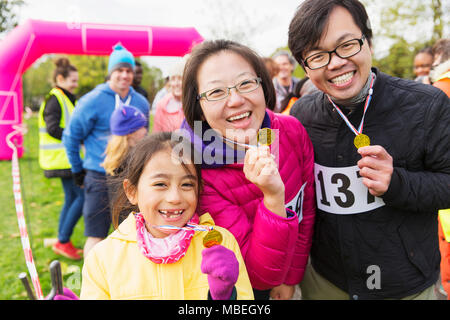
126,120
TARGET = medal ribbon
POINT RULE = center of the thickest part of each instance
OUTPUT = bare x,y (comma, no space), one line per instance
189,226
366,106
120,103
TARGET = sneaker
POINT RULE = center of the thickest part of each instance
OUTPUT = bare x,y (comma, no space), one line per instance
67,250
77,250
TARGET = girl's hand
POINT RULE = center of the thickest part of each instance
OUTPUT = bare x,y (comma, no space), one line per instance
222,268
260,169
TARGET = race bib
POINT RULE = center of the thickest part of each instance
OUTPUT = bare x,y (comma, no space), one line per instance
341,191
296,204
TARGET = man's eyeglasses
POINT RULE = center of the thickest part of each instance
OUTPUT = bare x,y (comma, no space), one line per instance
220,93
345,50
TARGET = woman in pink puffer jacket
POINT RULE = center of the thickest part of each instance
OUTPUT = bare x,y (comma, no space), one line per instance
263,195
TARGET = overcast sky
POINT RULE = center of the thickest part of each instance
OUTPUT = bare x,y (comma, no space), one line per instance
267,20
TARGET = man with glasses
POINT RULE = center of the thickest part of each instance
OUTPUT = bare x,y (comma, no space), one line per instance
382,162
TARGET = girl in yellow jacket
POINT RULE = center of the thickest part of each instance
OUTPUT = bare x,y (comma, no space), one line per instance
158,251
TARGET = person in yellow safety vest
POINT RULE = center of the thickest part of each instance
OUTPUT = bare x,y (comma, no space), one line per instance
54,116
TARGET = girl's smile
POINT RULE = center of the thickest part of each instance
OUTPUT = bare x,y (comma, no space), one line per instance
166,193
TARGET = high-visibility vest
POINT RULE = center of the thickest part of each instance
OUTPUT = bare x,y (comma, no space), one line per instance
444,218
444,75
52,154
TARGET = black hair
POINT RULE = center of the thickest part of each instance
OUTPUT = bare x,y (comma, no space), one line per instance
311,17
63,68
134,163
200,53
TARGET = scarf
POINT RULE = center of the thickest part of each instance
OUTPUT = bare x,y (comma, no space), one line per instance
169,249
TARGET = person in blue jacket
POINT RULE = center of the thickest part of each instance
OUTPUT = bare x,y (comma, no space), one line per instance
89,125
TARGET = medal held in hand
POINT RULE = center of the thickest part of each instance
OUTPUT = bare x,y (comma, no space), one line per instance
212,238
265,137
361,140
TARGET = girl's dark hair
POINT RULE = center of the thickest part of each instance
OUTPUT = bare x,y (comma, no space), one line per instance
200,53
311,17
63,68
134,163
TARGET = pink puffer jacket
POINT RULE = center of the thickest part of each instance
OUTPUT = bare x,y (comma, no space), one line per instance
275,249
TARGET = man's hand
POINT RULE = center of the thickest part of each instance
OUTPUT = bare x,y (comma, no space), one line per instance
78,178
282,292
376,168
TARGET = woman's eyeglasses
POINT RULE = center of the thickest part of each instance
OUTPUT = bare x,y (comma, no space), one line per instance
220,93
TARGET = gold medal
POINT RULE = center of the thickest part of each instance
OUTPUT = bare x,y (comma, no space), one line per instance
361,140
212,238
265,137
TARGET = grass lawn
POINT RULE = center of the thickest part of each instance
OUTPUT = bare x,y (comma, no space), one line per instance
42,201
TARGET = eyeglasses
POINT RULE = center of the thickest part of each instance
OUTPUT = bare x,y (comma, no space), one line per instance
220,93
345,50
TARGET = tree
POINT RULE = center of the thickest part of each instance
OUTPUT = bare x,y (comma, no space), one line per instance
402,28
152,80
413,20
398,62
37,82
8,18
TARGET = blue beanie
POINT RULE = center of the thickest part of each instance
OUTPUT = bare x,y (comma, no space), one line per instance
125,120
120,57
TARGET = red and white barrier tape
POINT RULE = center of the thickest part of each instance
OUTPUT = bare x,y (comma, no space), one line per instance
20,215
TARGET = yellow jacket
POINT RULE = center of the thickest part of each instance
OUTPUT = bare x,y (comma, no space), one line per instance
116,269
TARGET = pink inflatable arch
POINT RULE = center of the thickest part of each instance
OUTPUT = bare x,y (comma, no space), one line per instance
29,41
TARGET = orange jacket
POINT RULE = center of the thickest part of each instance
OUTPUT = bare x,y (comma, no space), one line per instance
289,106
443,83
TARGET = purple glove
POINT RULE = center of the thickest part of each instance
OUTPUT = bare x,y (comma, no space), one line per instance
67,295
222,268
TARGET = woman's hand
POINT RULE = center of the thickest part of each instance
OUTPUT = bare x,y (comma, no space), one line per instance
260,169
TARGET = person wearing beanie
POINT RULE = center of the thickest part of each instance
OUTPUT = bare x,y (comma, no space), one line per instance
120,58
128,126
90,124
169,111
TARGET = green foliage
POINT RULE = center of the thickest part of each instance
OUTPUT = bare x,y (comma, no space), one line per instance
8,19
398,62
92,71
152,80
37,82
42,200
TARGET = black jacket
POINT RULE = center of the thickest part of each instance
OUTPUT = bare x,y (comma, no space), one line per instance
412,122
